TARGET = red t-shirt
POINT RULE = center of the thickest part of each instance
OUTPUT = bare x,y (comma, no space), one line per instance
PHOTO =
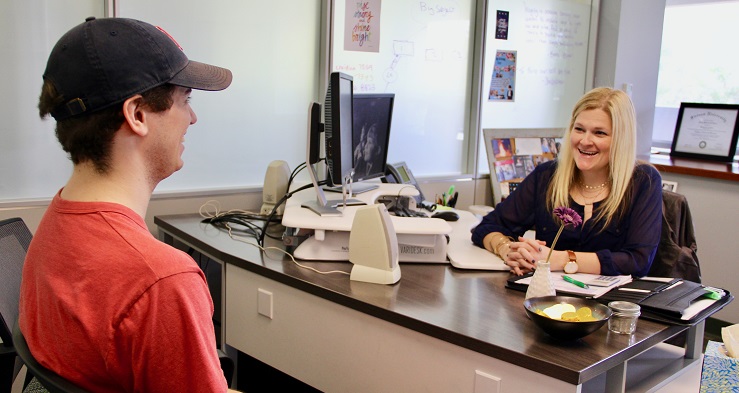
109,307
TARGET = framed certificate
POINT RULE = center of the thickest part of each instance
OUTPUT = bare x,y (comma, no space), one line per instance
706,131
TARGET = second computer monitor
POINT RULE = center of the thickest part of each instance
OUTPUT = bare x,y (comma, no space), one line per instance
371,134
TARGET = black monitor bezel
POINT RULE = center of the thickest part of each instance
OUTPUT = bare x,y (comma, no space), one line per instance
337,135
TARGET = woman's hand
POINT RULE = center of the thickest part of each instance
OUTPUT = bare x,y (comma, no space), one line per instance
522,255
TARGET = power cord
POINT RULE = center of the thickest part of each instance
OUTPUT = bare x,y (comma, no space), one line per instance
264,249
210,211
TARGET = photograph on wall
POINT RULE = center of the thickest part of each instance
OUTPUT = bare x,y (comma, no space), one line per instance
362,26
520,167
502,147
528,146
525,163
551,145
504,170
669,185
501,25
503,81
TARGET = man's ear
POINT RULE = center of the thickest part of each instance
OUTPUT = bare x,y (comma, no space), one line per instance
135,115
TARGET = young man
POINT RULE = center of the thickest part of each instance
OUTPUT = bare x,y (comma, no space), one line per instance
103,303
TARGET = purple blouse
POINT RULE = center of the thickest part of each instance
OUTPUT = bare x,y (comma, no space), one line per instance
626,246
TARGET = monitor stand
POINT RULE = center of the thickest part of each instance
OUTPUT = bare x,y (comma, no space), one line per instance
322,206
331,207
356,188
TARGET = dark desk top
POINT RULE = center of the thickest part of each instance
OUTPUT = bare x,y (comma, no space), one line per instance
470,309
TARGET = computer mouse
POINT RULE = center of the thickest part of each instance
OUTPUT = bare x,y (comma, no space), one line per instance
446,215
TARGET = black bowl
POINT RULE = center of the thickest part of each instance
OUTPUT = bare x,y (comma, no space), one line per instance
566,330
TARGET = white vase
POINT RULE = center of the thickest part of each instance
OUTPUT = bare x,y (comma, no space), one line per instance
541,282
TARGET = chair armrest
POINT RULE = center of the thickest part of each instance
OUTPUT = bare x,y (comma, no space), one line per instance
227,365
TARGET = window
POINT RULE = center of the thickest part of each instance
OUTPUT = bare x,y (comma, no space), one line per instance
698,62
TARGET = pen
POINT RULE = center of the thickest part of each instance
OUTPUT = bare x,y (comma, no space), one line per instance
453,200
635,290
575,282
673,285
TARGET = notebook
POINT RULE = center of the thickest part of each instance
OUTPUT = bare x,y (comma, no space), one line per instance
565,287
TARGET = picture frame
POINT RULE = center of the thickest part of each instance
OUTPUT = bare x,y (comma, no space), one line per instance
706,131
514,152
669,185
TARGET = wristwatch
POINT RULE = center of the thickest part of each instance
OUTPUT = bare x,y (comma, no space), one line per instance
571,266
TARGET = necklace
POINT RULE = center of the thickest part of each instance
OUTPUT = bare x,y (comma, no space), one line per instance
588,201
587,187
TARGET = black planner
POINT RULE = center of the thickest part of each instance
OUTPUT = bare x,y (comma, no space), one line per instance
669,301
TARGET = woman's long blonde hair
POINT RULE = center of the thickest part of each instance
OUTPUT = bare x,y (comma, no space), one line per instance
622,156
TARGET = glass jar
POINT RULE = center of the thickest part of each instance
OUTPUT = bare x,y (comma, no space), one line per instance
625,315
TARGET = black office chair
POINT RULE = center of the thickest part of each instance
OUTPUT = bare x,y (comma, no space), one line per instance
677,252
14,240
50,380
54,383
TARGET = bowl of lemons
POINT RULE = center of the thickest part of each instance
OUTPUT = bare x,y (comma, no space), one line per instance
566,317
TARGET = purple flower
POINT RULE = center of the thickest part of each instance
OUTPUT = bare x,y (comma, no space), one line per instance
568,217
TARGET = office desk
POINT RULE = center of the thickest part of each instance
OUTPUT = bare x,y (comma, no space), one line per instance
438,329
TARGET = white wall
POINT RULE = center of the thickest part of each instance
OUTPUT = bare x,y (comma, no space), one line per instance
628,51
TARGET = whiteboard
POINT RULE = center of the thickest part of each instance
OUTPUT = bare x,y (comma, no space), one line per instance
423,55
554,46
272,48
32,163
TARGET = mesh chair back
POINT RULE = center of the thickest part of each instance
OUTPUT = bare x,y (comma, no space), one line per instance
14,240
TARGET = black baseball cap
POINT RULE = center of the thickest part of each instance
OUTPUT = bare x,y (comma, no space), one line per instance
103,62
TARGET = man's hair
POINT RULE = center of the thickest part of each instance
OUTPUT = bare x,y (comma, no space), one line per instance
89,137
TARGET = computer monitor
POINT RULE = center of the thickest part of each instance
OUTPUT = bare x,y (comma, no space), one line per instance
370,138
337,129
373,115
338,122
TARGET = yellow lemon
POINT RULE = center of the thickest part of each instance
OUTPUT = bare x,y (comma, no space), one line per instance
584,312
570,316
556,311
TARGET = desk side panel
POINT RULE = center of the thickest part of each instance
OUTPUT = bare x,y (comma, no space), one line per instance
337,349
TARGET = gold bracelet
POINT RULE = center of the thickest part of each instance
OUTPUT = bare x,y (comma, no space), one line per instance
497,241
500,245
493,241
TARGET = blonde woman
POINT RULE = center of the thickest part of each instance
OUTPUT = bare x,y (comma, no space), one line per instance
597,175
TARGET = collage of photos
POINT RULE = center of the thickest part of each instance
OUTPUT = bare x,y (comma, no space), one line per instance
515,158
